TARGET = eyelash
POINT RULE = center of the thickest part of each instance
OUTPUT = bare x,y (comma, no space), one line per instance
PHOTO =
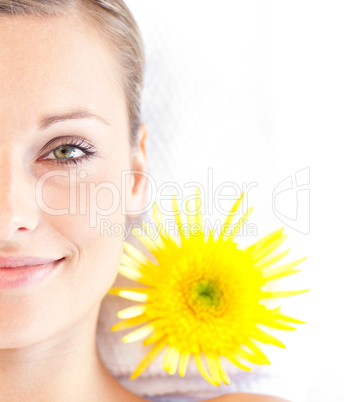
87,149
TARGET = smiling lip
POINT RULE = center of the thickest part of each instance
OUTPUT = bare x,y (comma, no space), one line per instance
18,272
16,261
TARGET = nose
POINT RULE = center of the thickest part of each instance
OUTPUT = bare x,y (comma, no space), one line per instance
18,209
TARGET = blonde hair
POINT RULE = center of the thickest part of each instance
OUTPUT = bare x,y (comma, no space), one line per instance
116,23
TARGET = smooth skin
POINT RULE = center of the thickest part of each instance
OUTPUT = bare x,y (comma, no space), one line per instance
48,330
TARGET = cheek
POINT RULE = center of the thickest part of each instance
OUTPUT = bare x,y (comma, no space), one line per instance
94,226
95,247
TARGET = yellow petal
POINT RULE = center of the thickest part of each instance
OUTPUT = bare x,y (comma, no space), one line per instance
199,217
260,244
139,333
277,325
130,262
262,336
189,217
238,225
283,293
154,238
283,270
130,272
211,236
135,253
252,357
166,238
281,274
230,216
235,361
177,217
135,294
167,357
184,361
262,265
268,248
287,318
256,350
172,367
159,220
213,369
131,312
223,374
131,322
144,239
148,359
138,276
203,370
155,337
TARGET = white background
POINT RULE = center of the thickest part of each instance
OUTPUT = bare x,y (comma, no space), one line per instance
254,90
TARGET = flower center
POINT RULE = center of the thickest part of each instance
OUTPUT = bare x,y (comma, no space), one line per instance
207,292
206,295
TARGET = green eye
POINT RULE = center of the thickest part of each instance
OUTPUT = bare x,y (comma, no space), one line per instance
66,152
75,151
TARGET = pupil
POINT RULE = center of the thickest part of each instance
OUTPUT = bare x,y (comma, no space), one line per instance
63,151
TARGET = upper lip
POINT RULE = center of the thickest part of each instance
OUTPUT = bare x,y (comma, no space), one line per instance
27,260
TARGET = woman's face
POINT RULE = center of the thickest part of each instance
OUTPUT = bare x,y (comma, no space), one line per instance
48,207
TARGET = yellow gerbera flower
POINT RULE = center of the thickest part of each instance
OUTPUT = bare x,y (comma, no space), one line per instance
204,296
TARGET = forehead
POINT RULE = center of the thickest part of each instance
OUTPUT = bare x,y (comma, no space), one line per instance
51,63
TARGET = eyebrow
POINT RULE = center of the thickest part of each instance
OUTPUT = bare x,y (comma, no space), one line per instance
51,119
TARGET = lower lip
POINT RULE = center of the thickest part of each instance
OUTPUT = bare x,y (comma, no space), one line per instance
13,278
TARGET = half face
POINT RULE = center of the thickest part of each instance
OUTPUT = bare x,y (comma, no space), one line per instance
64,142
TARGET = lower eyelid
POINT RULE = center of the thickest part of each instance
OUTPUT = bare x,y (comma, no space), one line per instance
69,161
